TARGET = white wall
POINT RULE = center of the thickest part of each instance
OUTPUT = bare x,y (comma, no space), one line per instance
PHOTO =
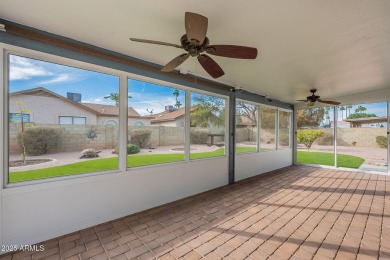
39,212
252,164
46,110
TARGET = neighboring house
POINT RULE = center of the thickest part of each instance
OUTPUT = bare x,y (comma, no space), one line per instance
47,107
170,117
370,122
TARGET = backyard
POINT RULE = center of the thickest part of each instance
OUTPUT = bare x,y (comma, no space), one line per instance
43,171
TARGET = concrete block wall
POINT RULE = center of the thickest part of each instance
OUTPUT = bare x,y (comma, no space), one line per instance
364,137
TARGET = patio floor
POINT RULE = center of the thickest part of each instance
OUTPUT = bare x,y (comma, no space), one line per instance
298,212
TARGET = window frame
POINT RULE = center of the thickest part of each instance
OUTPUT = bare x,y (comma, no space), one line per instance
258,126
23,114
290,132
7,50
73,118
227,109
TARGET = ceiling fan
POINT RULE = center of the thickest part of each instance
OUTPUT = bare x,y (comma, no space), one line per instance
196,43
313,99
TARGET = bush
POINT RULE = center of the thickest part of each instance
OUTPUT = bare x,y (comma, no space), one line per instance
381,141
131,149
308,136
39,140
199,136
141,137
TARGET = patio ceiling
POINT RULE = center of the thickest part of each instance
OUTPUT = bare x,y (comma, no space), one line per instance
341,48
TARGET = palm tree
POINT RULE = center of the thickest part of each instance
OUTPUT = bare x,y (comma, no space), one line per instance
342,108
114,97
176,94
360,109
349,109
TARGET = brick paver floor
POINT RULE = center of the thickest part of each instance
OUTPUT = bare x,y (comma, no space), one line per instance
297,212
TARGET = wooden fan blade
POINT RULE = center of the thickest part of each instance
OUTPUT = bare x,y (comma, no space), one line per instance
210,66
310,104
175,62
156,42
232,51
196,27
331,102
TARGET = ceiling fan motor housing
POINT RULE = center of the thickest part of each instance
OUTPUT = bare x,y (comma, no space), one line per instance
194,48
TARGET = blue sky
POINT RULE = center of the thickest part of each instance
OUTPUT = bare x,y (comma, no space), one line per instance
379,109
28,73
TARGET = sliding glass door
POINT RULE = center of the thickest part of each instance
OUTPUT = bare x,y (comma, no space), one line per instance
315,136
361,136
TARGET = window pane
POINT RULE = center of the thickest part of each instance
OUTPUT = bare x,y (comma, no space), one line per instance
16,118
207,122
66,120
246,127
79,120
284,129
362,136
67,115
268,127
156,124
315,136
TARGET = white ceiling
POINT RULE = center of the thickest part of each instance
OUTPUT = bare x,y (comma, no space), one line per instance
340,47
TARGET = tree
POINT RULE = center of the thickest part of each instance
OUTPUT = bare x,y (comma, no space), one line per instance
114,97
207,111
310,117
308,136
342,108
349,109
360,109
176,93
267,118
360,115
22,110
247,110
150,111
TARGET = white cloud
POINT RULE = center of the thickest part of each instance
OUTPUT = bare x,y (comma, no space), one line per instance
22,68
58,79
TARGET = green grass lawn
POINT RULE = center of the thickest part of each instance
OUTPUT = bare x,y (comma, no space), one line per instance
245,149
343,160
106,164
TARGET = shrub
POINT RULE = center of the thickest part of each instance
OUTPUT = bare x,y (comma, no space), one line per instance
140,137
131,149
308,136
199,136
39,140
381,141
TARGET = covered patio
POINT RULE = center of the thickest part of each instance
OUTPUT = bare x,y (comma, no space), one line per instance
296,212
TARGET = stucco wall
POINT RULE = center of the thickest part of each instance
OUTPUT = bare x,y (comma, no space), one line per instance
46,110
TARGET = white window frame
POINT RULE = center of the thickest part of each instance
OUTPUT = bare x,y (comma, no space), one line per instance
73,119
226,137
5,51
258,126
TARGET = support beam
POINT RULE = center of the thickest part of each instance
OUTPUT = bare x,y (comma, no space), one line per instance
232,138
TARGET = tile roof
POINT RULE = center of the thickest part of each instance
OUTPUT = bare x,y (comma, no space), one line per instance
168,116
110,110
